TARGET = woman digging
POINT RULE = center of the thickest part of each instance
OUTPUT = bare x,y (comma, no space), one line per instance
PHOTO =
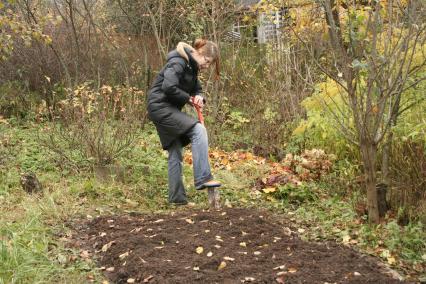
177,84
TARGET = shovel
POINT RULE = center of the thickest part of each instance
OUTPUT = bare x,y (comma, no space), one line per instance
213,193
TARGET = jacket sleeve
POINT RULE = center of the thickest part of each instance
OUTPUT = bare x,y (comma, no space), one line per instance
173,72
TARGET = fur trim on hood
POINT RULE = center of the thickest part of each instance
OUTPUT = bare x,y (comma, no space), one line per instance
181,49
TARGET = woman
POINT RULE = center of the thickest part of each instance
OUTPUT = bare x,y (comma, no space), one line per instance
177,84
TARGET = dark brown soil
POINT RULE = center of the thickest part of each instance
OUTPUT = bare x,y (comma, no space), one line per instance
246,246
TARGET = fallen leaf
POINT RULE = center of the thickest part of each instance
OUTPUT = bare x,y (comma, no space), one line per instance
62,259
257,253
281,267
158,221
269,189
222,265
391,260
189,221
103,234
243,244
196,268
146,280
292,270
131,280
280,280
301,230
346,239
217,246
124,255
199,250
287,231
209,254
110,269
249,279
84,254
228,258
107,246
357,273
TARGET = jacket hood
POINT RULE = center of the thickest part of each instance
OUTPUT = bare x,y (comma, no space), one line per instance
184,49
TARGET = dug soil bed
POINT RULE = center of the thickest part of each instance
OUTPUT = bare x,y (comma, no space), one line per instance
228,246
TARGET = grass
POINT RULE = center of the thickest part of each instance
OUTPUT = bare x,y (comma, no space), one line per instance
34,228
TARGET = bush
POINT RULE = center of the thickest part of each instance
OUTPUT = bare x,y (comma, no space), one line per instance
94,127
15,100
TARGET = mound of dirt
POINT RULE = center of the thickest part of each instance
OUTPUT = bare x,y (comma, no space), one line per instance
228,246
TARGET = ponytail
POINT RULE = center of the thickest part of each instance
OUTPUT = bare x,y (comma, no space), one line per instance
199,43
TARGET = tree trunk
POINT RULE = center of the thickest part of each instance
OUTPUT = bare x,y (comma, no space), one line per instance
387,146
369,154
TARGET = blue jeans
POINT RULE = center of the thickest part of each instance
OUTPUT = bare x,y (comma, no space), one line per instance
200,161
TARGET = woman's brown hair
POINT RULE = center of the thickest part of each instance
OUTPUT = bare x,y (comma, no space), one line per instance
209,49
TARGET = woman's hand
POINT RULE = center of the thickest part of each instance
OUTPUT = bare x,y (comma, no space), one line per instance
197,101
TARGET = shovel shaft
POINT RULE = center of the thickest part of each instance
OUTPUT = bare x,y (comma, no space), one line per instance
200,115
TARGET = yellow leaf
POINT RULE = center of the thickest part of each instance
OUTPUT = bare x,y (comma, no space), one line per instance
292,270
243,244
269,189
391,260
189,221
199,250
346,239
222,265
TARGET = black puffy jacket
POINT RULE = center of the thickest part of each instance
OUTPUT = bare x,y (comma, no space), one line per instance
171,90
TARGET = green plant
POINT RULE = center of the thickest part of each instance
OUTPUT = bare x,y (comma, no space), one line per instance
296,194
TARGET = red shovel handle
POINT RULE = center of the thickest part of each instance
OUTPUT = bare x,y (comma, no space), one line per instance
200,115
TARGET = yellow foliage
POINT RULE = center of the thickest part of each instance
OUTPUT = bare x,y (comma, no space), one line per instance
301,128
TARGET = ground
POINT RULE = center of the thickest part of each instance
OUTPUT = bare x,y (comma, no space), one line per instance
226,246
